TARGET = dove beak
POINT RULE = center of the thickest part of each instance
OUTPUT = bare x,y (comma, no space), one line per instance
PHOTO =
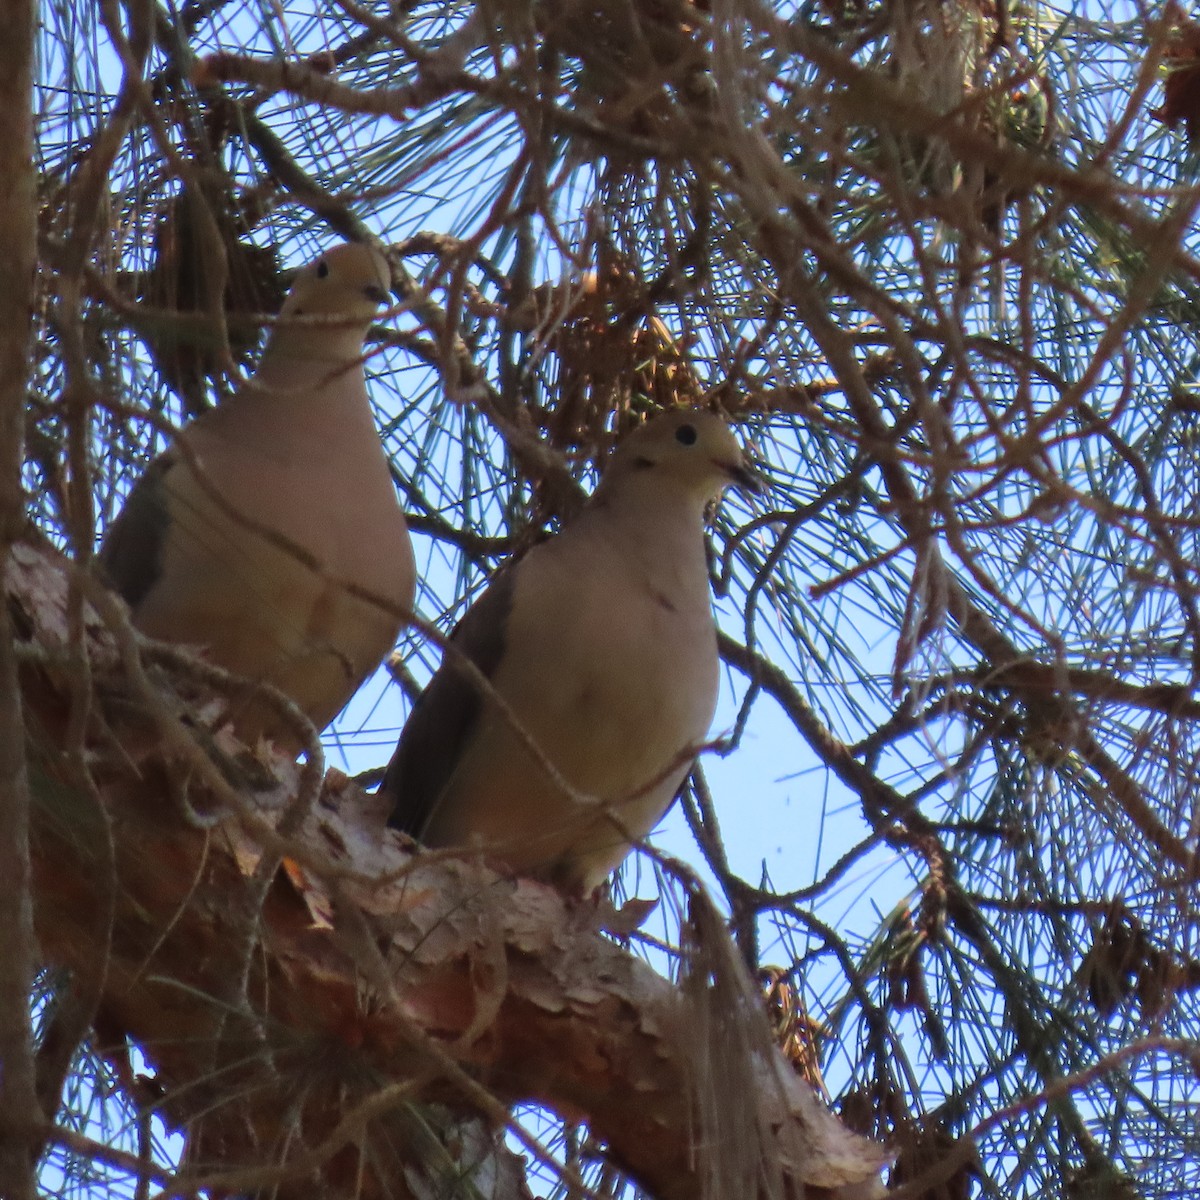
744,476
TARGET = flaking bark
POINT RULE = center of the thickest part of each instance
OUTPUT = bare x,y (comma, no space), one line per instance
379,983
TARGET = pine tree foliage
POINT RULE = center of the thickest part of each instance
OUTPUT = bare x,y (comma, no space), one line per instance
937,262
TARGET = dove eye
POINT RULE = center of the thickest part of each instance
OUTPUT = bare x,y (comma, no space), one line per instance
686,434
322,269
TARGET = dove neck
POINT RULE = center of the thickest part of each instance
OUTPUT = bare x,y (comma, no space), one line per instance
286,369
659,525
647,492
292,352
315,393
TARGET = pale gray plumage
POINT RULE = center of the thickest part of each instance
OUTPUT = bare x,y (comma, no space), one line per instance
602,642
297,462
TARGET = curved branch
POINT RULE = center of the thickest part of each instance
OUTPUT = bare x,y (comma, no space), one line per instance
373,969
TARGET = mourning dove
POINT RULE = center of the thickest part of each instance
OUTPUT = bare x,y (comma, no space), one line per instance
268,558
601,644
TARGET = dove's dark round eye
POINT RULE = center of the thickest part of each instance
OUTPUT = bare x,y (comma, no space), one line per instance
686,434
322,269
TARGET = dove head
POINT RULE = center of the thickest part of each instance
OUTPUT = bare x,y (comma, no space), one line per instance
691,452
333,302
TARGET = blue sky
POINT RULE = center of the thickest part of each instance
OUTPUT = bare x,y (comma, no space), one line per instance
781,810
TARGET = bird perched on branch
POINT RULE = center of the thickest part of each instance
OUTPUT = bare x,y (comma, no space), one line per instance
592,676
270,537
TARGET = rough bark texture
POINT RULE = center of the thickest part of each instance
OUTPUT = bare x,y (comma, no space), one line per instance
18,1101
310,1016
